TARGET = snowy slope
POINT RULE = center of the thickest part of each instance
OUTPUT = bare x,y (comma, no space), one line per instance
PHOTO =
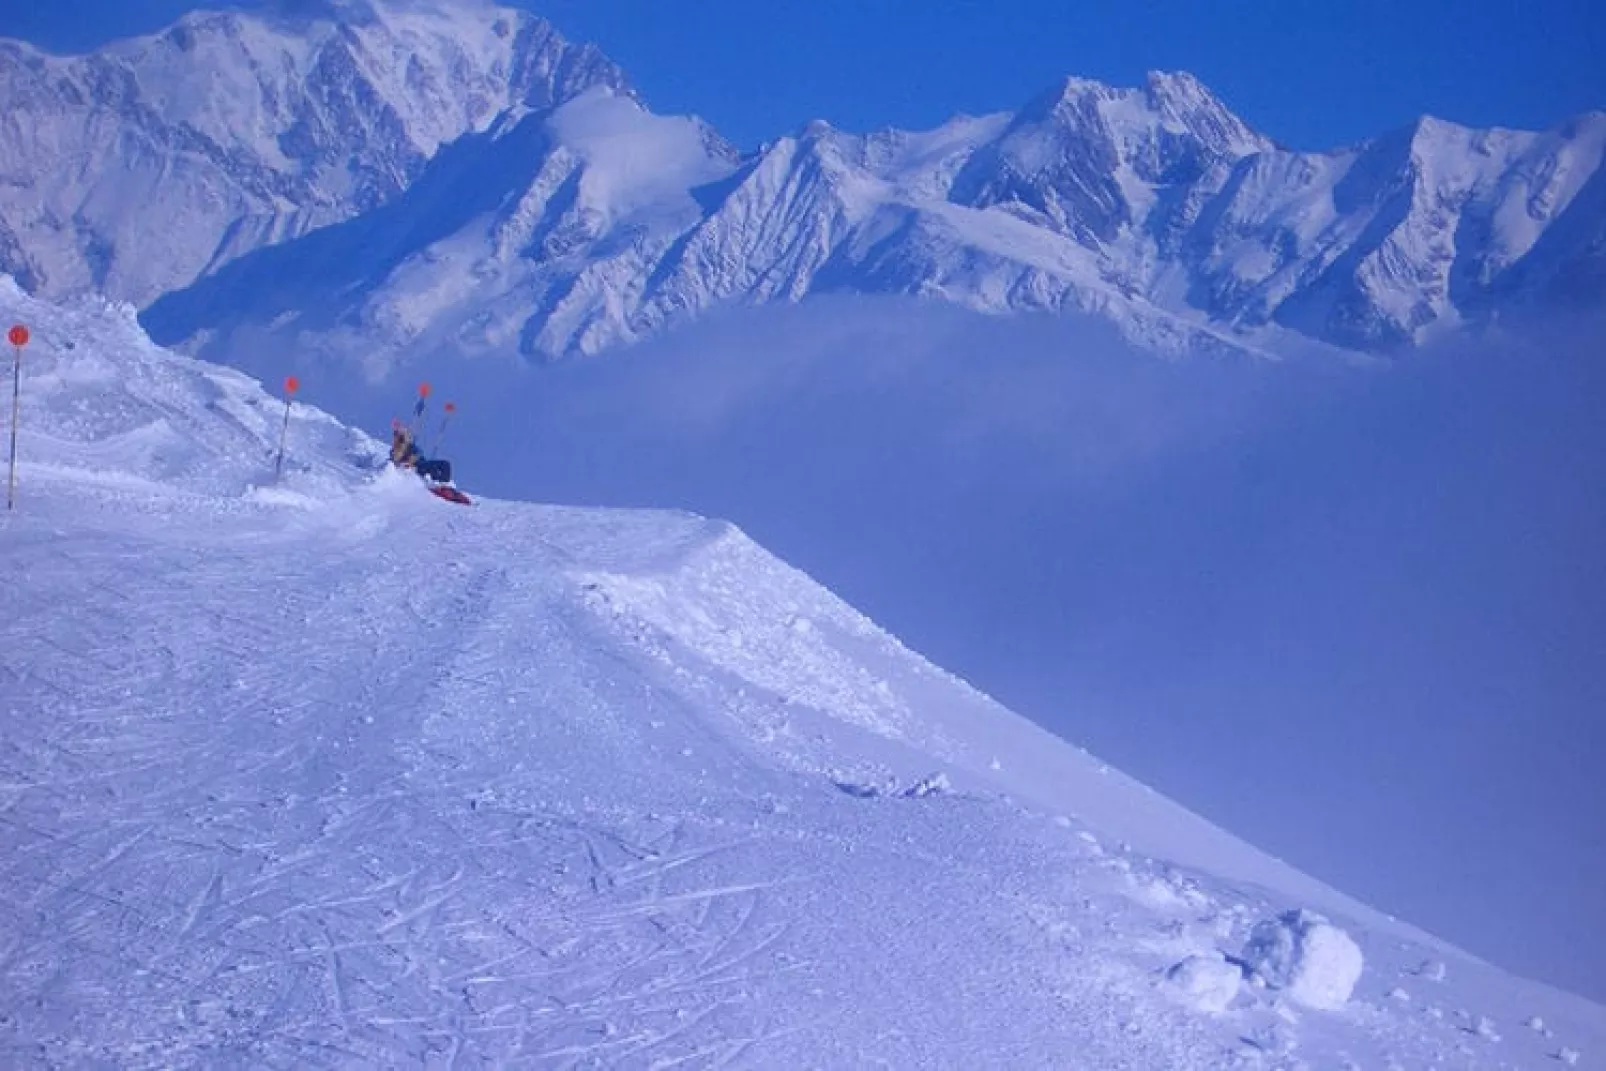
331,773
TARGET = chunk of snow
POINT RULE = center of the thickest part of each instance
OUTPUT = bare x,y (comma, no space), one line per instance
934,785
1208,982
1302,953
1569,1057
1157,892
1432,970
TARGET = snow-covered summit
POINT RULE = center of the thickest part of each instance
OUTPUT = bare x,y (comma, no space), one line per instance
138,168
327,772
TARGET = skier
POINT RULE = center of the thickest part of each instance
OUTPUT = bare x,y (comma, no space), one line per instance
404,453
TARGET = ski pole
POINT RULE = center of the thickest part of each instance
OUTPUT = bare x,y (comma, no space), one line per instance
291,385
451,408
18,338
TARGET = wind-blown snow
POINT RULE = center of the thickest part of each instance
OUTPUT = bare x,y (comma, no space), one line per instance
328,772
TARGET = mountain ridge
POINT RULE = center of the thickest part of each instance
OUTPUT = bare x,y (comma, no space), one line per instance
1155,206
212,122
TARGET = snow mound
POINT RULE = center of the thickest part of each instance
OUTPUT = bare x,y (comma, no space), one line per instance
1208,982
101,403
1302,953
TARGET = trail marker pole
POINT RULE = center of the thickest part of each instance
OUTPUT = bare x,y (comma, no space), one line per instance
18,337
451,409
418,412
291,385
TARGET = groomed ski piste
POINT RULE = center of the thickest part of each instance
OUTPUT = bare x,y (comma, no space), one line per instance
325,772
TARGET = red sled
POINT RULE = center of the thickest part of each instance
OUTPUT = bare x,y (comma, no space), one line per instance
450,494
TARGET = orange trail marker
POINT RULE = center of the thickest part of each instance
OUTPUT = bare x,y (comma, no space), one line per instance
291,385
18,337
418,410
451,411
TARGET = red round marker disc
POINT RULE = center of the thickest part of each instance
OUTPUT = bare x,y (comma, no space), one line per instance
18,335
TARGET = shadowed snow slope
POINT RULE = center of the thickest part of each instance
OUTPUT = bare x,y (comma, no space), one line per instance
328,772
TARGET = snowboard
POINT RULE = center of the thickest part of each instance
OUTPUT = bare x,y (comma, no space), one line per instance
450,494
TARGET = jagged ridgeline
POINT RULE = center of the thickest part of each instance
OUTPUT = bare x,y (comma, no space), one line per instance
436,175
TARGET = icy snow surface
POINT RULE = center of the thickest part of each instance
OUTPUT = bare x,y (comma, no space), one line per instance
326,772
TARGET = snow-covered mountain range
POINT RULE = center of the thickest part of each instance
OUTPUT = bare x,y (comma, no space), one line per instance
426,176
140,168
284,784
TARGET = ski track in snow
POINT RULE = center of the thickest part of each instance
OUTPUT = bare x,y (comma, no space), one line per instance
272,795
338,775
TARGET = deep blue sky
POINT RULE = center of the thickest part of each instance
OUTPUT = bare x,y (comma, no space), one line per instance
1311,73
